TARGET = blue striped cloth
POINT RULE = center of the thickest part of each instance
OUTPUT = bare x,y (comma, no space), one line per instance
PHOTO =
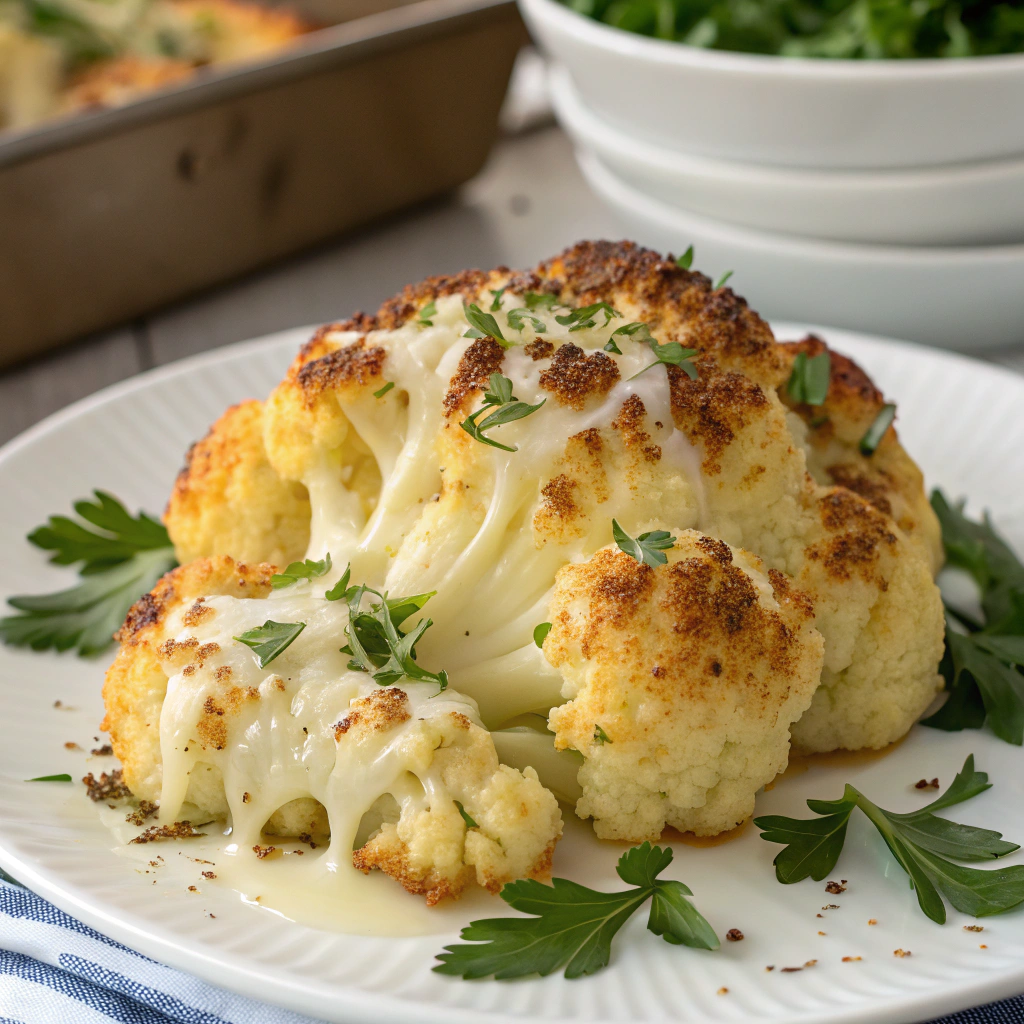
55,970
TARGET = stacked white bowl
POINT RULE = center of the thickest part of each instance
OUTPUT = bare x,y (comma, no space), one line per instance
886,196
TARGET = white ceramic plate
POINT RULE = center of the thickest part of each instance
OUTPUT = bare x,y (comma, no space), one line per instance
961,418
956,297
963,204
789,111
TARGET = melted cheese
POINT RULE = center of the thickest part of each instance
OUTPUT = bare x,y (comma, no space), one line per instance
493,574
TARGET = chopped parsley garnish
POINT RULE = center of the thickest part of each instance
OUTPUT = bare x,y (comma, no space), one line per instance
540,633
429,310
121,559
721,281
270,640
671,354
808,383
920,841
483,325
376,644
384,390
540,300
517,316
648,547
572,927
686,260
982,661
873,435
497,293
506,409
600,736
637,330
304,570
578,319
612,347
63,777
466,816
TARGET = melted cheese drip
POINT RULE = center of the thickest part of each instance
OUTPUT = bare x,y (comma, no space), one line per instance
493,578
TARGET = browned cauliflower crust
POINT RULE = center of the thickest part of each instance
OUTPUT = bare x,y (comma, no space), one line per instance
367,423
391,765
229,500
889,479
683,683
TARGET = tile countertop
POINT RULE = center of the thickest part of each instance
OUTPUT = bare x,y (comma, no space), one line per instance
529,202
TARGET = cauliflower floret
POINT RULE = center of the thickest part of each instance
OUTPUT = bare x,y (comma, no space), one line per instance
684,681
228,500
310,746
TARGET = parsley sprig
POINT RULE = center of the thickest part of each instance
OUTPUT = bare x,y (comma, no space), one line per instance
122,556
648,547
572,927
506,408
270,640
585,316
983,660
516,318
483,325
808,383
376,643
873,435
308,569
921,842
671,354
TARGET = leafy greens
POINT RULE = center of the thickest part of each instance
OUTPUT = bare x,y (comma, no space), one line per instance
920,841
572,927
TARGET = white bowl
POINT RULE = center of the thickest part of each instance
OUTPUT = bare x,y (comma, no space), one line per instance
789,111
958,298
956,205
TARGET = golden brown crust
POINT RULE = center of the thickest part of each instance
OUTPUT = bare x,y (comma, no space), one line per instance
575,376
357,364
483,357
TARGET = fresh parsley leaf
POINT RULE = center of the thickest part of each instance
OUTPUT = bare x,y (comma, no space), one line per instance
540,300
671,354
509,409
612,347
686,260
572,927
721,281
648,547
466,816
982,665
380,393
122,558
305,570
340,589
497,293
873,435
429,310
920,841
600,736
578,319
63,777
808,383
115,535
270,640
484,324
378,646
540,633
517,316
637,330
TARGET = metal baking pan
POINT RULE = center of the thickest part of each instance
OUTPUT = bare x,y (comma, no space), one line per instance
113,213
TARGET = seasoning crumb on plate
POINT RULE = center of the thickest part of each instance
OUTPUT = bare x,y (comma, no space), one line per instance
850,959
925,784
734,935
835,887
901,952
872,920
974,927
723,991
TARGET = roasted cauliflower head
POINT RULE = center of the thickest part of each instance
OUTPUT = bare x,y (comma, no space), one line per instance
309,746
475,440
683,681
